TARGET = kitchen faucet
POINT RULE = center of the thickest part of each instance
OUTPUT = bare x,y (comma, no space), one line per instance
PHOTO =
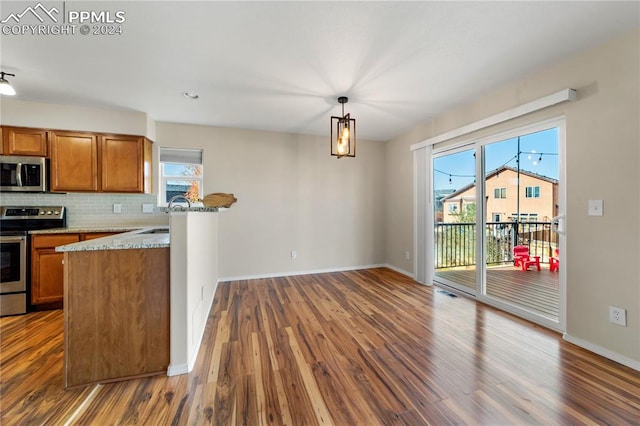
175,197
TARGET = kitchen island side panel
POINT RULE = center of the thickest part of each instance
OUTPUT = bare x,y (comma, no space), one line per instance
116,314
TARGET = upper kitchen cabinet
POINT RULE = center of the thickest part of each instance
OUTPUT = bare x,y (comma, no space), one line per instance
24,141
124,163
74,161
95,162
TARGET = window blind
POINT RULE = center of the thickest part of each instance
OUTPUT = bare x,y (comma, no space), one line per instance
180,156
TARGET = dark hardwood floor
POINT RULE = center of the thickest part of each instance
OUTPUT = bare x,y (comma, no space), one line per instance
367,347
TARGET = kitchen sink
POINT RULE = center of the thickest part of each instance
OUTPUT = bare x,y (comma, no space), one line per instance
156,231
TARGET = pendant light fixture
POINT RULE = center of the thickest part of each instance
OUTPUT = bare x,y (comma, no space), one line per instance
343,133
5,87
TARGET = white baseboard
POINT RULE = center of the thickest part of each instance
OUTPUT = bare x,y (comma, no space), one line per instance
631,363
175,370
400,271
308,272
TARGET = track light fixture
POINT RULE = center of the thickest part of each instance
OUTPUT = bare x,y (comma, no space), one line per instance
5,87
343,141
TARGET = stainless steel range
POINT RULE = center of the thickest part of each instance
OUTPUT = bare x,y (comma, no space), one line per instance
15,265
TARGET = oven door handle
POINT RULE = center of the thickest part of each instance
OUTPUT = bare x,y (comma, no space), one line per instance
12,239
19,174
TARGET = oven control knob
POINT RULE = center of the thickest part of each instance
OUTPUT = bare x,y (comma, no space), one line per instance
49,212
56,212
41,211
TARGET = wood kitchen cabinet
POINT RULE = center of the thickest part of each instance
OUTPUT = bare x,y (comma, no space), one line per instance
24,141
94,162
47,268
74,161
46,265
124,160
117,313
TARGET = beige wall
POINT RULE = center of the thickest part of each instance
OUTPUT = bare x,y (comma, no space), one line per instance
70,117
292,195
602,157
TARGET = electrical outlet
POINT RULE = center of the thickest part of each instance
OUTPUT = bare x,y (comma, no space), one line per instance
147,208
595,207
294,254
407,255
618,316
117,208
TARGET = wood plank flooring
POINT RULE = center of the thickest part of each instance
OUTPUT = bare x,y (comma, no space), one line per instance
367,347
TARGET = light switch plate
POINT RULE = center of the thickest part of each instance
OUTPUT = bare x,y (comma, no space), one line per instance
595,207
147,208
117,208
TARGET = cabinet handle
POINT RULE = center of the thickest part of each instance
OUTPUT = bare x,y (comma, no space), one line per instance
63,261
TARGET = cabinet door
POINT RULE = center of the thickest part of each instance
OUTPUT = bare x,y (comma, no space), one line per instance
122,163
74,161
47,279
24,141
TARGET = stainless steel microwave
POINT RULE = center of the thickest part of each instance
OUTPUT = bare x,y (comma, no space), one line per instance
23,174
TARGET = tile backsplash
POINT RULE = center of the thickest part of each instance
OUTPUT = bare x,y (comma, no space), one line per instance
94,209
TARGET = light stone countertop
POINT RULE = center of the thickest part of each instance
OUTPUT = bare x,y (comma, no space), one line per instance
89,229
140,238
178,209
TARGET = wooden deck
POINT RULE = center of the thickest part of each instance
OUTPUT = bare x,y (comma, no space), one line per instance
537,291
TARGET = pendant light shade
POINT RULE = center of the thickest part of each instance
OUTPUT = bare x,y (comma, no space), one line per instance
343,133
5,87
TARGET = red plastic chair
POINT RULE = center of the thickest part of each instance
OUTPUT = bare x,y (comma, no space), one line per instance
554,262
521,258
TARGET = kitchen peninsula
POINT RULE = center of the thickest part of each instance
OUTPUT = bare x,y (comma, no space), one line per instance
136,303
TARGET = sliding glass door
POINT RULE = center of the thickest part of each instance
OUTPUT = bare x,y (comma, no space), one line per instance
521,198
455,236
495,238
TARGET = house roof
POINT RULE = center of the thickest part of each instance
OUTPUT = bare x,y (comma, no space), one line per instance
282,65
495,173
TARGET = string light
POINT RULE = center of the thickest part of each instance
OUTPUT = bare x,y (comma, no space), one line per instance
516,157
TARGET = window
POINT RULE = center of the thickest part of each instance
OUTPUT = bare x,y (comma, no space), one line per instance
500,193
453,208
496,217
180,174
532,192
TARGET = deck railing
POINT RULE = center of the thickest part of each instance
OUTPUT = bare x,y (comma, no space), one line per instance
455,243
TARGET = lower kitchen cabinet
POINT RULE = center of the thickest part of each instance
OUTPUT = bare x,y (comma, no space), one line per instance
47,272
47,268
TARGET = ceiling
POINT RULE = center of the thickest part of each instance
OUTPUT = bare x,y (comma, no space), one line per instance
281,65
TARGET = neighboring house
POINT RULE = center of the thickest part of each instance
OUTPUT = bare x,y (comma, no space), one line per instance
538,197
439,195
177,189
